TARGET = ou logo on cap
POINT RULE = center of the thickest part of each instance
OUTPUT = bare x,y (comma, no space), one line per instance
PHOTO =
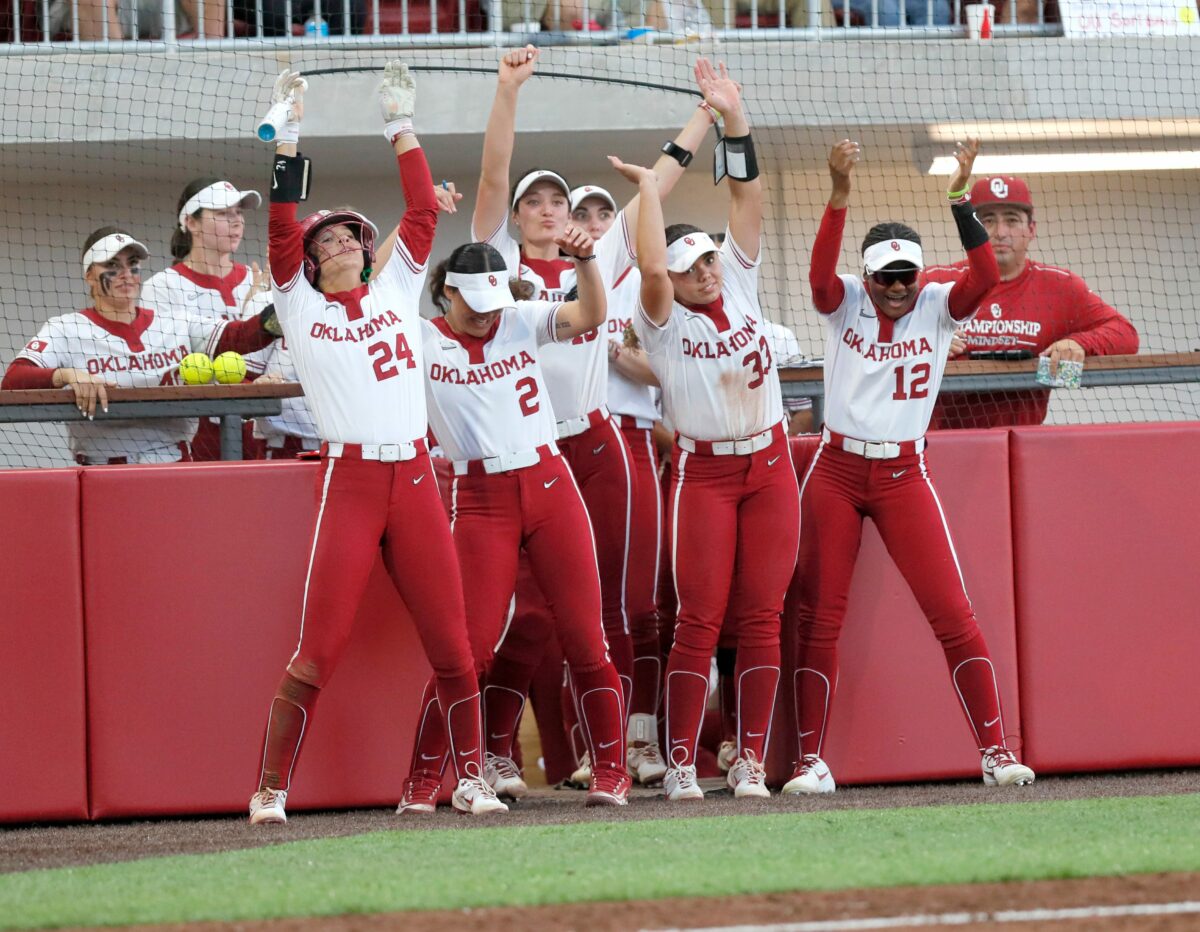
999,187
689,241
120,238
492,280
895,246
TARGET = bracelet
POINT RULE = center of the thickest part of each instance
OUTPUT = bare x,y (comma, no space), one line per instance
958,195
713,113
678,153
590,258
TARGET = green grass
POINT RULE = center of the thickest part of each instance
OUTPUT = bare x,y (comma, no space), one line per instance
455,868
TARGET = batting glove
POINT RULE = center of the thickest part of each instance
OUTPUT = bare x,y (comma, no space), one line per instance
289,88
397,100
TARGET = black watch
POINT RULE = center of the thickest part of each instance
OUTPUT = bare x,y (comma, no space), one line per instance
678,153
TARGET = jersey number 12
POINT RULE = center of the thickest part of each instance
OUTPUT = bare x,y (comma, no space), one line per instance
917,388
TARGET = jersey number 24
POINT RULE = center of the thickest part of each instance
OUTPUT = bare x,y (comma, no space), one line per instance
385,360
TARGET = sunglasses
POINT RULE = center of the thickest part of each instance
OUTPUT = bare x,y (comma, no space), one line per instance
885,277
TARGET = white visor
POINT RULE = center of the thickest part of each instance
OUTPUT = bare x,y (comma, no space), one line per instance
533,178
217,196
683,253
108,248
884,254
483,291
579,195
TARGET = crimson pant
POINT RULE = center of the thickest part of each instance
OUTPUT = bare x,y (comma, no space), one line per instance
538,508
733,527
645,552
838,491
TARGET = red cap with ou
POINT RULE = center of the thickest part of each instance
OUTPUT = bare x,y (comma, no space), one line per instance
1008,190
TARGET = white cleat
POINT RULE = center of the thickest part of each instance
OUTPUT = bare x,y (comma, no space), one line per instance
748,777
503,775
582,777
266,807
1001,768
679,784
810,776
726,755
473,795
646,764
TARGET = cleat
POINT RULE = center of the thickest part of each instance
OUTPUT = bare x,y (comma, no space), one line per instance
726,755
646,764
474,796
810,776
610,787
420,793
581,779
1001,768
679,784
748,777
503,775
266,807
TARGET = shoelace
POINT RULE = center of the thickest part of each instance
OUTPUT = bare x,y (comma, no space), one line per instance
482,787
751,770
415,787
268,797
997,756
608,779
685,777
505,767
650,753
808,763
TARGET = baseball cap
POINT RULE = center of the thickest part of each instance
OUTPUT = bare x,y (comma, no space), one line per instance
483,291
109,247
533,178
683,252
581,194
219,195
1001,189
881,255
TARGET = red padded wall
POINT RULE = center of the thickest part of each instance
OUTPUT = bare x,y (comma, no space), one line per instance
43,750
895,716
193,580
1106,539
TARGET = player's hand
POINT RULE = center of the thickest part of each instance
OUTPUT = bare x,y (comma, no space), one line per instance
517,65
964,154
1063,349
958,345
447,197
89,390
270,378
260,281
842,159
719,90
290,88
575,242
397,92
635,173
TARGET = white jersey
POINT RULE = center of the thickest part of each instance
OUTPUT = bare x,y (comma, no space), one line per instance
140,354
295,420
487,395
179,290
360,362
787,352
576,372
883,377
715,364
625,396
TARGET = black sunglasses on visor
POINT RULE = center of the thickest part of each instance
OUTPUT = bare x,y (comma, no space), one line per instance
885,277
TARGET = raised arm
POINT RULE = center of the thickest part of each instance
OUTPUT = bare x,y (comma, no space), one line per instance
745,187
658,294
983,274
491,201
289,182
589,309
828,290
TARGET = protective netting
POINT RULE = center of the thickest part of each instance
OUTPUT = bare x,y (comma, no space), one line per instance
97,138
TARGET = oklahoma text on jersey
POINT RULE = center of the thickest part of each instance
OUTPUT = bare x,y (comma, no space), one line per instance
738,340
479,375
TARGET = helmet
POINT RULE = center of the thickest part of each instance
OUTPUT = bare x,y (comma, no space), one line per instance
311,225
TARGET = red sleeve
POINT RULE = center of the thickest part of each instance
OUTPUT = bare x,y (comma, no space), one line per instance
245,336
828,290
983,274
285,245
1100,328
419,222
22,373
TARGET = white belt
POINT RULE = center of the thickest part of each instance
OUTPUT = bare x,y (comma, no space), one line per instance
874,449
574,426
505,462
384,452
729,447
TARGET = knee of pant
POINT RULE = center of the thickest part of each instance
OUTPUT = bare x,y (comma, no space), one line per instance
696,640
955,630
311,670
818,632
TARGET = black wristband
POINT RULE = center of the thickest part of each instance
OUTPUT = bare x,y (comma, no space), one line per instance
289,179
584,258
678,153
734,156
971,232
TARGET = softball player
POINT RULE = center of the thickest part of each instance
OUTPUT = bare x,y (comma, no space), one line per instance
884,357
512,490
733,509
123,341
207,282
357,346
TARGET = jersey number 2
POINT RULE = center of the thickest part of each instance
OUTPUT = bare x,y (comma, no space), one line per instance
527,397
917,388
386,360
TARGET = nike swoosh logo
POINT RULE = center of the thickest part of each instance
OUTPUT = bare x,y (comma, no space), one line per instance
822,774
466,753
609,745
755,734
596,452
992,722
496,737
431,757
547,485
417,480
774,461
897,475
805,734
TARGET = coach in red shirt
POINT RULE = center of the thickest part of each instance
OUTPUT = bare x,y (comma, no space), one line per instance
1038,308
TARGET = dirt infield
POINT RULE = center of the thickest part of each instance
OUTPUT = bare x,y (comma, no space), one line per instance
33,847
